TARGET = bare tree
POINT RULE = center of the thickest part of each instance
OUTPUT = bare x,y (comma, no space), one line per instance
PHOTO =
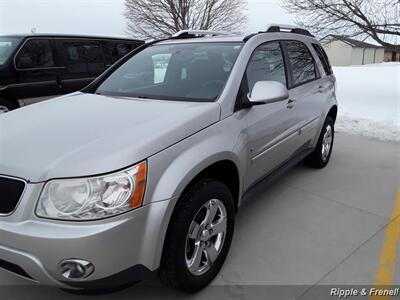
160,18
376,19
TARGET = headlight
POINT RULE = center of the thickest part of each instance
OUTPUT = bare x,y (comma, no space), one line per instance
93,198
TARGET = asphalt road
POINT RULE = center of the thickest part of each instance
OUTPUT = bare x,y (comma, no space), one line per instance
295,239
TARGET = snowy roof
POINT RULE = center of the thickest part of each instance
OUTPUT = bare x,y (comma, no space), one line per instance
350,41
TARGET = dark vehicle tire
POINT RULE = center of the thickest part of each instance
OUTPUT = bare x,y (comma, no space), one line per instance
198,237
319,158
6,105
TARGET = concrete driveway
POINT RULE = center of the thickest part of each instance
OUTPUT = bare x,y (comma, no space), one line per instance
307,232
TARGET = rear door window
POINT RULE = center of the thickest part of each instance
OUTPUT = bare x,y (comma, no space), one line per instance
323,57
301,63
35,54
83,57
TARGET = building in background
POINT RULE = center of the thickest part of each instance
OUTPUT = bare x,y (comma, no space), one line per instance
344,51
392,54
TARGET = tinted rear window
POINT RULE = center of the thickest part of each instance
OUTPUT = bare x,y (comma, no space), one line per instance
119,50
301,62
84,56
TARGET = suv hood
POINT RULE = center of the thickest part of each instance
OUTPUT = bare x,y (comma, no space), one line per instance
85,134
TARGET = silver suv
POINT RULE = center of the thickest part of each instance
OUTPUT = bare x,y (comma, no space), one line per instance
145,168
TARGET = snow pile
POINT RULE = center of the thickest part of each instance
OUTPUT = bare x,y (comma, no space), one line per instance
369,100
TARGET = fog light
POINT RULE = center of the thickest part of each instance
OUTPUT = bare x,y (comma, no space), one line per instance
76,269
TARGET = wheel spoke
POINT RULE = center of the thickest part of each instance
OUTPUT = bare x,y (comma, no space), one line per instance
212,254
194,230
213,209
197,255
219,227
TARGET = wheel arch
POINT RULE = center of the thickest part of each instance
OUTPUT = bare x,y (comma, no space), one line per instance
214,168
224,171
333,112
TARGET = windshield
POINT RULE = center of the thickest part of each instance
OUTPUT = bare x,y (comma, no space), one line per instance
184,72
7,47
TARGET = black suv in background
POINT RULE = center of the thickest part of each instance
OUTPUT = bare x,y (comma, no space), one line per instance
45,65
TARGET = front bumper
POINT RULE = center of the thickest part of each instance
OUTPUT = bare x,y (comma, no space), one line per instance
114,246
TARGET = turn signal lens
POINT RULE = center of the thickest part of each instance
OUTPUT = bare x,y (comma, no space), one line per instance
140,185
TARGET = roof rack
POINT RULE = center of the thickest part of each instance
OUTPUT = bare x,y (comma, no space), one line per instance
288,28
189,33
281,28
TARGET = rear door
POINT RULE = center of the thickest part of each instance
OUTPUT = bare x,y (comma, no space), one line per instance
84,61
271,127
38,69
305,90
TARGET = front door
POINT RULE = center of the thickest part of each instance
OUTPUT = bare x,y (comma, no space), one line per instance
84,61
271,127
38,70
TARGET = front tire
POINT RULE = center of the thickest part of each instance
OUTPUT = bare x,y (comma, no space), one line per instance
199,236
319,158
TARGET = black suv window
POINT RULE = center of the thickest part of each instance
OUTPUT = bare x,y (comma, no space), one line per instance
119,50
35,54
266,64
301,62
323,57
84,56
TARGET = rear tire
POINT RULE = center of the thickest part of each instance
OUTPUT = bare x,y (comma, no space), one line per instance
319,158
6,105
195,249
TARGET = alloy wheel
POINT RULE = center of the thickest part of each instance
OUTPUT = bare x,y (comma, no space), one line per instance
206,236
327,142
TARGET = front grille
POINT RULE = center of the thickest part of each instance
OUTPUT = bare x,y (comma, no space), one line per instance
10,192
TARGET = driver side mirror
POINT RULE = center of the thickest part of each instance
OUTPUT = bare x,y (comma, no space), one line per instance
265,92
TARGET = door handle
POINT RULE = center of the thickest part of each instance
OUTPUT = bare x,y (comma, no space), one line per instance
291,103
59,82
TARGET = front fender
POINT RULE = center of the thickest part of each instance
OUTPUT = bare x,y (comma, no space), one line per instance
171,170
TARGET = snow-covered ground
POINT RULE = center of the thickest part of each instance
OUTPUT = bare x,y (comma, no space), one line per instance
369,100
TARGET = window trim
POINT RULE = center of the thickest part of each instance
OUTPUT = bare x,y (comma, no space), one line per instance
38,68
325,57
317,73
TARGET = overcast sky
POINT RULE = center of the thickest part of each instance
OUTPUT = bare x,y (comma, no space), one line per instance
103,17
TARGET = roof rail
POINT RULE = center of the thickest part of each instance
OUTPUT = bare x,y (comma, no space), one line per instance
288,28
189,33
